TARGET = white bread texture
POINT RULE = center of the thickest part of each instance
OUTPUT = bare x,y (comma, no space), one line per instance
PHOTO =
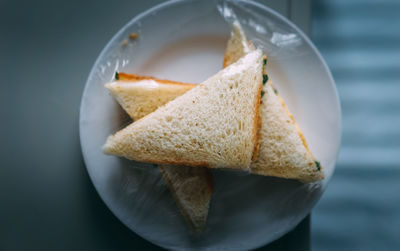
140,96
212,125
237,46
275,158
191,188
283,151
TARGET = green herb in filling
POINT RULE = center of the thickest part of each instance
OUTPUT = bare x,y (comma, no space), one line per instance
265,78
262,93
276,91
265,61
318,165
116,76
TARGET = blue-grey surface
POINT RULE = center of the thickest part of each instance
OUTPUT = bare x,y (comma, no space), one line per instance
360,40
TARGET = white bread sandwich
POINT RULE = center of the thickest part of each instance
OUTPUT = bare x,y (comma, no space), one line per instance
215,124
140,95
237,46
283,149
191,188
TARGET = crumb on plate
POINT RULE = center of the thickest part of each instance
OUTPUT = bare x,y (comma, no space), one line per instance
133,35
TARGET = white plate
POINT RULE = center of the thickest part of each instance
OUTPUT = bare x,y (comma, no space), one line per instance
185,41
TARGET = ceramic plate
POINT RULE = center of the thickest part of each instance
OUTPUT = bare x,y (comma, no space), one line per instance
185,41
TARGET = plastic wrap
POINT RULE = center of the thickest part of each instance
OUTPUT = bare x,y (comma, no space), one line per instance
246,211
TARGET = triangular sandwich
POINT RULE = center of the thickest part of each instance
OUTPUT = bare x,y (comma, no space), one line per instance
214,124
140,95
191,188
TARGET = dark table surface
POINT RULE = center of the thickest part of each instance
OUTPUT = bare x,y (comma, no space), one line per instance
47,49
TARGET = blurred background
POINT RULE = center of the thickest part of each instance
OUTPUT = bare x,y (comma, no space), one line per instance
47,49
360,40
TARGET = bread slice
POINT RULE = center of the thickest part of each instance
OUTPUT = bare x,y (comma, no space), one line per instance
191,188
283,151
140,95
212,125
237,46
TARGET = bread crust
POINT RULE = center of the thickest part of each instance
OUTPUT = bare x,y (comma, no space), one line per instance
257,125
299,132
126,77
